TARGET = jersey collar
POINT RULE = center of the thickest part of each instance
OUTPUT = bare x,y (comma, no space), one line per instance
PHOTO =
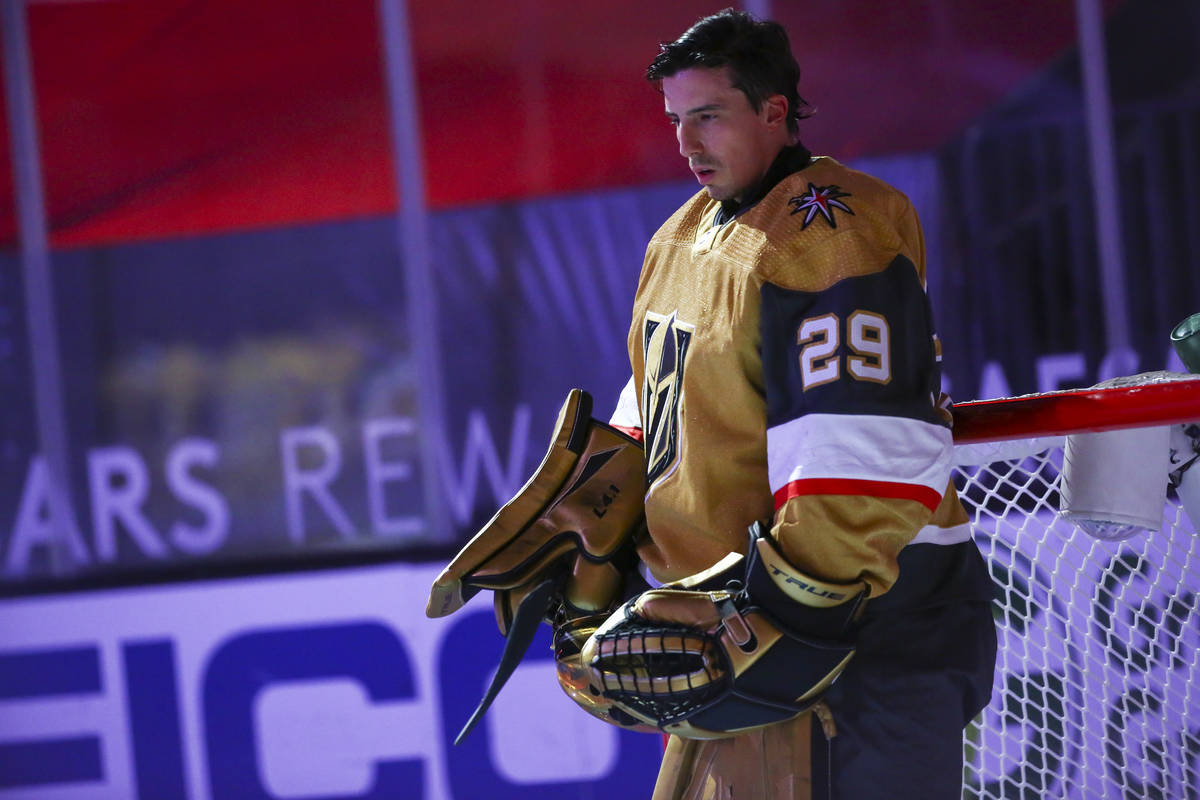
792,158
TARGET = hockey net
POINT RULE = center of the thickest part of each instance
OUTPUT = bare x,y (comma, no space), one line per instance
1096,692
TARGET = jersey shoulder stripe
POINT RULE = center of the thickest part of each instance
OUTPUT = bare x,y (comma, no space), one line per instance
887,490
877,456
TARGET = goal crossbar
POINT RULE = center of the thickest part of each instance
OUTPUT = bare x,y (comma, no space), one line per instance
1078,411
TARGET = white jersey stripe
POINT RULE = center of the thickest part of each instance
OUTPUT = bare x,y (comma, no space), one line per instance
626,414
859,447
932,534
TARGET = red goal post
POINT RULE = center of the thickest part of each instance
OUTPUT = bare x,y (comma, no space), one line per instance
1166,401
1097,690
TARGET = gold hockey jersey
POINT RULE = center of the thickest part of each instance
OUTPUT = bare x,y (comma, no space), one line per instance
785,367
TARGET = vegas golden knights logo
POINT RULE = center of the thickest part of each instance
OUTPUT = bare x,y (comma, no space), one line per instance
665,343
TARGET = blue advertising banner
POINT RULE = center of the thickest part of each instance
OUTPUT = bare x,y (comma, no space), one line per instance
253,396
334,684
228,397
328,684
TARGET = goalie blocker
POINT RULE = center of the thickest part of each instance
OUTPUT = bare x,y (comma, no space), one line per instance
561,550
749,642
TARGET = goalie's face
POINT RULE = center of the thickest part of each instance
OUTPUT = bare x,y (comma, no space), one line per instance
729,146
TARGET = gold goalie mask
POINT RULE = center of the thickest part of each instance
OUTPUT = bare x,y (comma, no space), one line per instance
561,550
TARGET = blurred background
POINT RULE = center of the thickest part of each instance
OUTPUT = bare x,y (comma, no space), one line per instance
289,284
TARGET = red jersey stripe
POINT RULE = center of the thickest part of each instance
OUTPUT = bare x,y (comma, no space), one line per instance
633,433
927,497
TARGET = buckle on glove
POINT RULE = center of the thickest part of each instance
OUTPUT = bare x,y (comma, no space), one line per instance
736,625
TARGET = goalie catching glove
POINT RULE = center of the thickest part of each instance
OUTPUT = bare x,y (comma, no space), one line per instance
561,550
749,642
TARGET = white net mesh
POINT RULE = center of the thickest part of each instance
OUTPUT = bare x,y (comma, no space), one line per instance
1095,693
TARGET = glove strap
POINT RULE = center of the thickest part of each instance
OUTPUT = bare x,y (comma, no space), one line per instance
797,601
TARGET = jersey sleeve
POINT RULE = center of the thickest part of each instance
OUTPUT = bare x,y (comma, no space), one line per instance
626,416
858,451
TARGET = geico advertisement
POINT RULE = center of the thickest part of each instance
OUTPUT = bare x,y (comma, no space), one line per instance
321,685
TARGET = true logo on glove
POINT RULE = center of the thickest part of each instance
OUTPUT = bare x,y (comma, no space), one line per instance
806,587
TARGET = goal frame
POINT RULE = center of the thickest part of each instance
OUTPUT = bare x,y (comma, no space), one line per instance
1099,640
1079,411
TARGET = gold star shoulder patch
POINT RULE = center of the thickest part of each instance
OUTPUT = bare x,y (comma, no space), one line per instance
823,200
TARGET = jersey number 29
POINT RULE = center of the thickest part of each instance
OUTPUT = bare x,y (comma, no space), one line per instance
867,336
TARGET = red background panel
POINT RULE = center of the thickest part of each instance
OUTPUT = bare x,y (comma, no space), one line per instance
163,118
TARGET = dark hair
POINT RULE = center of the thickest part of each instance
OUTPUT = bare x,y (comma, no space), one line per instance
757,52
